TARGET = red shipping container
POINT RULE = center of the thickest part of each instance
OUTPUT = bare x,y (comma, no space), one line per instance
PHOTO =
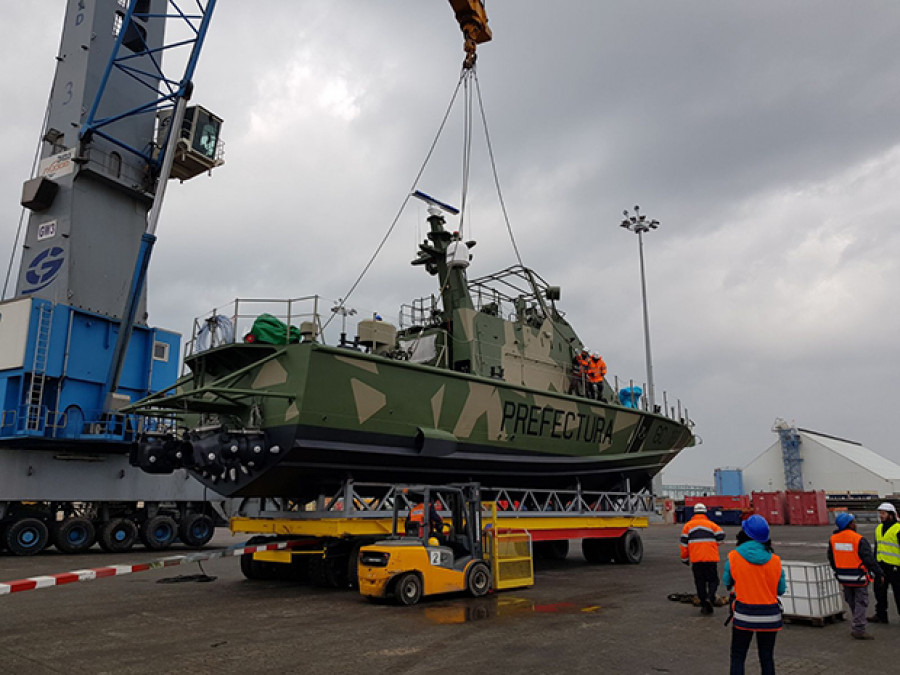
807,508
815,511
771,506
720,501
795,507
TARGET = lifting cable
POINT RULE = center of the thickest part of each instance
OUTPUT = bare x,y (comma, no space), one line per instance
467,74
384,239
490,149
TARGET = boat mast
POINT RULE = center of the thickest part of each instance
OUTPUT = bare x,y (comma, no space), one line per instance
447,256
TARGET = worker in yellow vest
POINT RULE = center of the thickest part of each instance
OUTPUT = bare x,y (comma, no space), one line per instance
854,566
887,553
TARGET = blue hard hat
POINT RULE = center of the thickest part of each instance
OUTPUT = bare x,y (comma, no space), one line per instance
843,520
756,528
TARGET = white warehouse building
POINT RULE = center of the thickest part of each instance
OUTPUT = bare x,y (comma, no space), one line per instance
827,463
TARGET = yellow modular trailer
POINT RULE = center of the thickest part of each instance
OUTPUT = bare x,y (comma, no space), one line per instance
332,531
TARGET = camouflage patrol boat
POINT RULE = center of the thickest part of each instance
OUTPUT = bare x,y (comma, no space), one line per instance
461,393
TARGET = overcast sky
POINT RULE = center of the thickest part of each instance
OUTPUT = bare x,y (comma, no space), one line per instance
764,136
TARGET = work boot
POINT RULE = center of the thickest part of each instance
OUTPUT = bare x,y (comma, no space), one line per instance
706,607
862,636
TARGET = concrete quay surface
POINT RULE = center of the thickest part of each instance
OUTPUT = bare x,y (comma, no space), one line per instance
578,618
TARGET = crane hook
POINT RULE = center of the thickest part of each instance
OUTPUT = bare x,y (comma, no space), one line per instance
473,21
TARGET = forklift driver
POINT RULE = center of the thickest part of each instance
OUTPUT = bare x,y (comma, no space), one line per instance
416,518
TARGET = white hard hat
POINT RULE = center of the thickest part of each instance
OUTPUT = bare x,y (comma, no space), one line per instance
887,506
699,508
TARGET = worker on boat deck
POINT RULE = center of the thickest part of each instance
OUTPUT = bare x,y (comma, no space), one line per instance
755,576
580,365
887,553
699,546
595,374
854,566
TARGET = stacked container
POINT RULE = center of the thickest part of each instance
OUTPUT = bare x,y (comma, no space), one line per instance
721,509
720,501
729,481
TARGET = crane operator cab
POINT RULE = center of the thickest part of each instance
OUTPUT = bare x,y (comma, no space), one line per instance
445,556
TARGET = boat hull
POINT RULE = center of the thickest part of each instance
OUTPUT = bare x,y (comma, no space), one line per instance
326,414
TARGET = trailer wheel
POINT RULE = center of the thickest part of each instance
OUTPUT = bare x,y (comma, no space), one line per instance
408,589
551,550
74,535
629,548
336,570
158,533
353,566
27,536
258,570
598,551
479,580
247,568
196,530
255,569
318,575
117,535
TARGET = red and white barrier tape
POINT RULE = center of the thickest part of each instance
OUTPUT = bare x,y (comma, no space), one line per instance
32,583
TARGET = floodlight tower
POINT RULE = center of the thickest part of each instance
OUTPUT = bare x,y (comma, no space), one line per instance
638,223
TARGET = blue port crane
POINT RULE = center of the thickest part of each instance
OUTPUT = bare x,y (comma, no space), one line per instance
77,346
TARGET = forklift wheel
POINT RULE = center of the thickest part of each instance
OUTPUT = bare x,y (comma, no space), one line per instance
479,580
408,589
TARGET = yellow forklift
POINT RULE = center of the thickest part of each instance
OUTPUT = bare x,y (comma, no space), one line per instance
431,554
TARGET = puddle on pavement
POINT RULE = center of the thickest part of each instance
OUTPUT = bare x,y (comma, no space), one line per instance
503,607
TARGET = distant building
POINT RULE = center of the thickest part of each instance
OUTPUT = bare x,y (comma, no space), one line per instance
835,465
682,491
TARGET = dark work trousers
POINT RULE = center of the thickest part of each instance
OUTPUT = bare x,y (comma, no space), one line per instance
706,578
858,599
765,648
892,579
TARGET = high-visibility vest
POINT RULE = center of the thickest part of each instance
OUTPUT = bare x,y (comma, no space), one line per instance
849,569
596,369
887,541
417,514
756,593
700,539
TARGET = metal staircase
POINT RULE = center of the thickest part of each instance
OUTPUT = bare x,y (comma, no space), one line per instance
790,452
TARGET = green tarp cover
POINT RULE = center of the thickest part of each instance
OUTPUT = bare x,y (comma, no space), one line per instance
270,330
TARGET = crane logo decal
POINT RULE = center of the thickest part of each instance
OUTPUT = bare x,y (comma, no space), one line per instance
43,269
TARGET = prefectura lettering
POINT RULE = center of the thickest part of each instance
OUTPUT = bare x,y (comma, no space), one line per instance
532,420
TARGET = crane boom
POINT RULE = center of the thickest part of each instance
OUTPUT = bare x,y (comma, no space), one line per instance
473,21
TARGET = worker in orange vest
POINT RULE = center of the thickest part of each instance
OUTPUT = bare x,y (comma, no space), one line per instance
854,565
416,519
699,547
754,575
596,371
